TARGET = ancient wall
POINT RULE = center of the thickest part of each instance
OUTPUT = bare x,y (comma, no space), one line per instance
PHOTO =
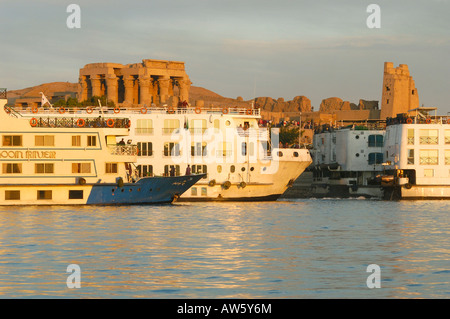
399,93
156,82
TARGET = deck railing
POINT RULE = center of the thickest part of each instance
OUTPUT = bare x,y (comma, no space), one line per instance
123,149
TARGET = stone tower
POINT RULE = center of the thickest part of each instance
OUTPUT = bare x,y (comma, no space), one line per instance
399,92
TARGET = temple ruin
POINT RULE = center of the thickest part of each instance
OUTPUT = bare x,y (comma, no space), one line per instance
152,82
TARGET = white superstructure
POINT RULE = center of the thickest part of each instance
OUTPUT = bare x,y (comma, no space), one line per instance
241,159
347,161
417,151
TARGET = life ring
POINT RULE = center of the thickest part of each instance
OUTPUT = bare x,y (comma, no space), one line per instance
81,181
7,110
428,121
409,120
33,122
170,110
116,110
80,122
143,110
212,183
128,123
89,110
408,185
110,122
225,110
249,111
198,110
61,110
34,109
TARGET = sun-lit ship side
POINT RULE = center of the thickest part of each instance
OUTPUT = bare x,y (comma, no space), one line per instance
241,160
46,160
417,149
348,161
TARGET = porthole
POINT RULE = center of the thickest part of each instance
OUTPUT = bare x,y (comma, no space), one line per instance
295,154
243,169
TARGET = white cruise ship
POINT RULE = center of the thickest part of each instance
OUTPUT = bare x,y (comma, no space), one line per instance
47,160
417,155
240,159
348,161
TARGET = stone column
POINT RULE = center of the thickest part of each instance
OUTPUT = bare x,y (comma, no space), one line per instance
83,88
184,85
163,83
112,89
96,85
129,86
144,86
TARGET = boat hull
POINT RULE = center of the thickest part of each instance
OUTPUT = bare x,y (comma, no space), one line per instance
417,192
148,190
267,190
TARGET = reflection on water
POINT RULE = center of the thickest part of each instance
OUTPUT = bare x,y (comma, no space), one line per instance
284,249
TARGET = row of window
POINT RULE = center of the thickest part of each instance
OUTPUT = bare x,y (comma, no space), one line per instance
147,170
428,137
197,149
42,194
427,157
49,168
46,140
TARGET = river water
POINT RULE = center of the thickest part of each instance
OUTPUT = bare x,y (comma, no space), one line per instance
302,248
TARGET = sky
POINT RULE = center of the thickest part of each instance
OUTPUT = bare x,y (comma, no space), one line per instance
246,48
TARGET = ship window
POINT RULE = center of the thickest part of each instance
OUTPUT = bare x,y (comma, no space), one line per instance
198,149
429,137
169,168
144,126
411,136
226,150
44,194
194,191
44,168
410,160
232,169
12,195
200,169
217,124
428,173
171,149
12,140
376,140
429,157
251,148
76,140
447,136
219,168
145,148
44,140
204,191
145,170
171,125
81,168
375,158
447,157
198,126
92,140
244,149
111,168
12,168
75,194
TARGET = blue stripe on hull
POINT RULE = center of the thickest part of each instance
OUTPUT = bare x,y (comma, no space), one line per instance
147,190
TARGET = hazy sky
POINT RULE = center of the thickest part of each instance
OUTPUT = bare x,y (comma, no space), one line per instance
245,48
